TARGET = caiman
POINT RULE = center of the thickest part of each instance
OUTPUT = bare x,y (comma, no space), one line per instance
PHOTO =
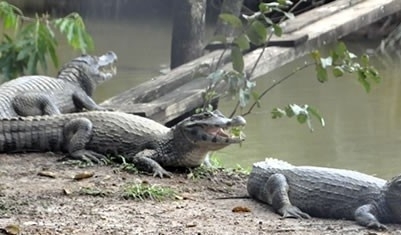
304,191
70,91
91,136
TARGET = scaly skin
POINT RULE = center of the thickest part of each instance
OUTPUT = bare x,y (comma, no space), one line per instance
90,136
71,91
304,191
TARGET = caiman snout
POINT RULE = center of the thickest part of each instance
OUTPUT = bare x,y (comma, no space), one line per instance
212,130
238,121
107,59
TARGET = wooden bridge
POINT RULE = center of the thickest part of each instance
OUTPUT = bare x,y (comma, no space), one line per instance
167,97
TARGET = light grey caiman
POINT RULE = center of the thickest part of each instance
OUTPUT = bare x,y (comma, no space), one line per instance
70,91
304,191
90,136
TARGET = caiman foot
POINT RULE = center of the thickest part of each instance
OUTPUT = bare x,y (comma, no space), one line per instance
160,172
90,157
377,225
142,162
365,216
291,211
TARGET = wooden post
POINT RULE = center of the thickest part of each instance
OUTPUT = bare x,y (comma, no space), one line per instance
232,7
188,31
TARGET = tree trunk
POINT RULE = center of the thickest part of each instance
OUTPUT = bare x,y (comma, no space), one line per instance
188,31
232,7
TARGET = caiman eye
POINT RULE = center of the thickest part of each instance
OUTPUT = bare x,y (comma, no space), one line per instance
398,183
207,115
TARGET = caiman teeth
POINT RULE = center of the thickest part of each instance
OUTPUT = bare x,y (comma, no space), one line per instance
222,132
111,68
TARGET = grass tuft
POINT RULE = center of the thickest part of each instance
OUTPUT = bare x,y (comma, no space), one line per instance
145,191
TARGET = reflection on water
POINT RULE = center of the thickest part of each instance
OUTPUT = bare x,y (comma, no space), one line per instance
362,130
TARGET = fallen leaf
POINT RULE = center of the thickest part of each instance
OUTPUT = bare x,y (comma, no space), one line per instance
190,225
47,174
84,175
67,191
240,209
12,229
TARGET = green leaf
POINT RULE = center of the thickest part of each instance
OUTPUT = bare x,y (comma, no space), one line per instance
237,59
70,30
374,74
256,98
277,113
301,118
289,111
242,41
24,53
53,55
341,49
289,15
362,79
338,71
315,56
89,41
32,63
216,76
231,19
365,60
257,33
63,24
284,3
278,31
316,115
321,73
42,61
264,8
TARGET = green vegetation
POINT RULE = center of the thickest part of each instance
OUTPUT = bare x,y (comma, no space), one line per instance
257,29
145,191
28,42
129,167
215,166
95,192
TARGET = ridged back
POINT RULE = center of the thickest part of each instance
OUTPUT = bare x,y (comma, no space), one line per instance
112,132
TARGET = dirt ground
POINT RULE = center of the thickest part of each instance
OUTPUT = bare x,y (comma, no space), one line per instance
37,204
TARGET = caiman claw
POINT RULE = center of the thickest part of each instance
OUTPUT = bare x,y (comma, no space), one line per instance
160,172
291,211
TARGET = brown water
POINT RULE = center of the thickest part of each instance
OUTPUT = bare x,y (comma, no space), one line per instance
361,133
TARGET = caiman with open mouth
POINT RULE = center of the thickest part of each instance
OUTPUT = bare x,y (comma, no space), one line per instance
70,91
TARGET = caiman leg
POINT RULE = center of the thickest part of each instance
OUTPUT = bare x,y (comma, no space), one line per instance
365,216
276,191
77,134
31,104
83,101
143,161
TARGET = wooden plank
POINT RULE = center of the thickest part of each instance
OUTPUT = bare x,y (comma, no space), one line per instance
286,40
161,85
310,17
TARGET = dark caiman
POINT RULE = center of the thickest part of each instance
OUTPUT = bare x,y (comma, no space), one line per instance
304,191
71,91
90,136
